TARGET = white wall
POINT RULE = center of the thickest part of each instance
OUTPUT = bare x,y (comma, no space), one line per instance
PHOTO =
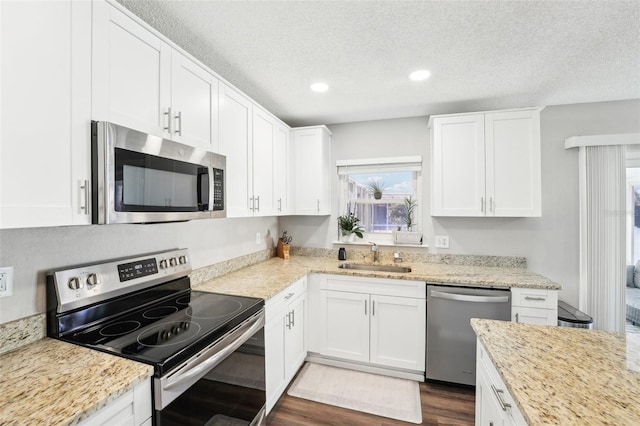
34,251
549,243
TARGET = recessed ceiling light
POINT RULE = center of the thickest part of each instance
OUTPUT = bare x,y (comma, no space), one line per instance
420,75
319,87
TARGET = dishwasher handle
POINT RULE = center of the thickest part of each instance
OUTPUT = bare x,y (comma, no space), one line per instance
469,297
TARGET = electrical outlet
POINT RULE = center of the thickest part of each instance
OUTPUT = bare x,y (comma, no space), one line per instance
6,281
442,241
258,238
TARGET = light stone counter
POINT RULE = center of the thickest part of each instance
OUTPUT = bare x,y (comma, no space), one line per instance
266,279
51,382
566,376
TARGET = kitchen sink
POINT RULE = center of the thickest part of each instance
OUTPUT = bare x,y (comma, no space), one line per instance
381,268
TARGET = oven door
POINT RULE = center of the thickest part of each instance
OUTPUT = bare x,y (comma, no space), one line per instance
224,384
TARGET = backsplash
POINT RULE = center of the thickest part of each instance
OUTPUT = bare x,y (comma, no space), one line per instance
21,332
212,271
360,255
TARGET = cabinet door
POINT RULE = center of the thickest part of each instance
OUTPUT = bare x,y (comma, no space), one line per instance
488,410
262,155
131,70
274,335
281,168
398,327
534,315
458,166
44,121
194,104
312,157
235,140
295,343
513,163
345,325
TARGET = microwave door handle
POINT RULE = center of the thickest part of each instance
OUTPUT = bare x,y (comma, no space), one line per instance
212,183
215,355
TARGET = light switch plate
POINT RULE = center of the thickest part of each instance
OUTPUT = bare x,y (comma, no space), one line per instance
442,241
258,238
6,281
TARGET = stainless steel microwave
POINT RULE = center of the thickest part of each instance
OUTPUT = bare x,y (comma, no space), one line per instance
140,178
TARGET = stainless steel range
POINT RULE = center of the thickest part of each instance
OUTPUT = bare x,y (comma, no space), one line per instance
207,349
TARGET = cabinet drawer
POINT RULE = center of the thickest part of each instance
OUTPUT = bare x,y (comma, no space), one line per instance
380,286
278,303
534,316
535,298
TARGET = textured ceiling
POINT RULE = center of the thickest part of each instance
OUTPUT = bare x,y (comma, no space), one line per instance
482,55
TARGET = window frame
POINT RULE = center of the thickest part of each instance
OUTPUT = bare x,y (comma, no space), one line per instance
378,165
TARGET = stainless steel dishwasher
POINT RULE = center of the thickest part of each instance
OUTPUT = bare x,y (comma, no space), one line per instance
451,342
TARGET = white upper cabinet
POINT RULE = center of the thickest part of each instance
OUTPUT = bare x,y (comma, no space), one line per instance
261,175
312,170
235,141
194,103
282,169
141,82
45,113
486,164
131,73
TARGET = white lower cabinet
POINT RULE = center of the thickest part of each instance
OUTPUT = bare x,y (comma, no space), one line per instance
285,348
534,306
131,409
494,404
376,321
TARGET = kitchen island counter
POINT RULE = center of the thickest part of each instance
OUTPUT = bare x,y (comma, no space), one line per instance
50,382
559,375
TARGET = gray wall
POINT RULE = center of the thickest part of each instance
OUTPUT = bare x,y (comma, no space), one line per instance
34,251
550,243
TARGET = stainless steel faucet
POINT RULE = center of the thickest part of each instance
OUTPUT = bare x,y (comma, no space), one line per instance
374,249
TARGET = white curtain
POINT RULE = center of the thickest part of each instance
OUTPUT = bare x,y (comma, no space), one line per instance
602,231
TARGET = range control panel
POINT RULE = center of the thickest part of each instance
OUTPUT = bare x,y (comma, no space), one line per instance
83,285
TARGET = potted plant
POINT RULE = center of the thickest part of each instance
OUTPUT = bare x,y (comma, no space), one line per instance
376,186
349,228
408,236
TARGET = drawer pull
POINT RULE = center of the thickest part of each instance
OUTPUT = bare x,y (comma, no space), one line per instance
539,299
517,317
288,296
498,393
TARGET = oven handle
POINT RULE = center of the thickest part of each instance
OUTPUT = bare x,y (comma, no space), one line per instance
215,355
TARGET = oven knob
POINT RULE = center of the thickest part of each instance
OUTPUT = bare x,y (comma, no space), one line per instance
173,261
75,283
182,260
163,264
94,279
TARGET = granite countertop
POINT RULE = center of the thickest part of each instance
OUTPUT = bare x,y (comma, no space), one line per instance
58,383
561,375
266,279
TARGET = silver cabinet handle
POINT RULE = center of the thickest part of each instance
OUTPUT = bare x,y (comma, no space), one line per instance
168,114
517,317
491,204
365,307
482,204
498,393
288,325
258,200
178,131
373,307
293,318
318,205
288,296
279,204
540,299
84,188
253,204
469,297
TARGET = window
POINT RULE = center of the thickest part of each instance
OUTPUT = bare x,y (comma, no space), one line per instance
378,191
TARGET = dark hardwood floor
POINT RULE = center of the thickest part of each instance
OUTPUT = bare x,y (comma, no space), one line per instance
441,405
